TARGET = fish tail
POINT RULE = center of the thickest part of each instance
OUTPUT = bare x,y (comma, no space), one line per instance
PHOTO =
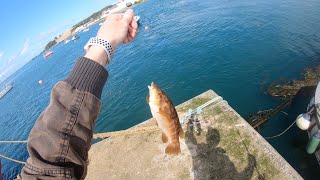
173,148
181,132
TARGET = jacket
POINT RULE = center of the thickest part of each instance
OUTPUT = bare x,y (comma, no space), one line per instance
59,142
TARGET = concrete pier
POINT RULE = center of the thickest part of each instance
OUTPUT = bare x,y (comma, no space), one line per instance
218,144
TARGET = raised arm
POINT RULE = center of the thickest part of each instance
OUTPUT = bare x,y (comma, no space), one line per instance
59,142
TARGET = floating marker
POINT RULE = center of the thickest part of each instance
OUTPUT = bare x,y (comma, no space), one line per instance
303,121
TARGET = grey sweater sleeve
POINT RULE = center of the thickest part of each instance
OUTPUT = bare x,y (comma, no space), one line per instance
59,142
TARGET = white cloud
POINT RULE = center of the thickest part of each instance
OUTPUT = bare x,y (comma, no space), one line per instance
55,31
11,58
31,48
1,54
7,71
45,35
26,46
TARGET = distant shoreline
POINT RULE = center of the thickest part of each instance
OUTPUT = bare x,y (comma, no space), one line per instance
67,34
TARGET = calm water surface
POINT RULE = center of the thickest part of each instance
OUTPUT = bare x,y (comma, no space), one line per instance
232,47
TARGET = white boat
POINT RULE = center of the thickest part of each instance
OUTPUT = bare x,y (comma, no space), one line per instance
129,4
100,24
66,41
310,121
137,18
6,90
85,30
75,37
315,120
123,5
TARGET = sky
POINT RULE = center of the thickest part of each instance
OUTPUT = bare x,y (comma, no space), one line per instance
28,25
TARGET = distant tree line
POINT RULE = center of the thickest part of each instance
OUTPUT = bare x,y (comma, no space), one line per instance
50,44
93,16
138,1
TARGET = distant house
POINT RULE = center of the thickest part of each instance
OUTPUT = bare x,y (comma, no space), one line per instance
128,1
104,14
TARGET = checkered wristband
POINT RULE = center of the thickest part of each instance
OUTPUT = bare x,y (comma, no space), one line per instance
102,43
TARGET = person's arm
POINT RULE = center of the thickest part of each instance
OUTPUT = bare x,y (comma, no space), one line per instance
59,142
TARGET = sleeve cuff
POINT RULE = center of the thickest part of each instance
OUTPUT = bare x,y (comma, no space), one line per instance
88,75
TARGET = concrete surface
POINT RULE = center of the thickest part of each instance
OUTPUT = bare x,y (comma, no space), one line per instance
218,144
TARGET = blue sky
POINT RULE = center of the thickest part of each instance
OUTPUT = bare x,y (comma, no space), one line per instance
28,25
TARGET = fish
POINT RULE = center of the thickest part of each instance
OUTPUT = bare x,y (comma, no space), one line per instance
165,114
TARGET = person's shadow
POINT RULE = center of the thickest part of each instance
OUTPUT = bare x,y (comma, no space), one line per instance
210,161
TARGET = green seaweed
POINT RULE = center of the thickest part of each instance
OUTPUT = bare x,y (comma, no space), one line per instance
269,171
217,110
196,102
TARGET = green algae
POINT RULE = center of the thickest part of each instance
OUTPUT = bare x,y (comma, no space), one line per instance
196,102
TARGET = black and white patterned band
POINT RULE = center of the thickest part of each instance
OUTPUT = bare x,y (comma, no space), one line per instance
102,43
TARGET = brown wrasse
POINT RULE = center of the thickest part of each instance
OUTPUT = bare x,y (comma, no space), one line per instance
165,114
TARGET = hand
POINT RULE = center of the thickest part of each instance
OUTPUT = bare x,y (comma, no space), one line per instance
117,29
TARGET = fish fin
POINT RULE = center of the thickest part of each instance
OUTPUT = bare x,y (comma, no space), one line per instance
164,138
173,148
181,132
148,98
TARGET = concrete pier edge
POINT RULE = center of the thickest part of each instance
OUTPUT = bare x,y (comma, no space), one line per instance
226,147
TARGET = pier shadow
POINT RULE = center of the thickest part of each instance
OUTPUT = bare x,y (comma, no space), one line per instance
209,160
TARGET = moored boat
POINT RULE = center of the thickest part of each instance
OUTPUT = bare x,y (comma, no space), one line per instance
66,41
137,19
49,53
75,37
314,129
310,121
6,90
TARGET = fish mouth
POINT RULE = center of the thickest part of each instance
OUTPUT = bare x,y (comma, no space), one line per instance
151,86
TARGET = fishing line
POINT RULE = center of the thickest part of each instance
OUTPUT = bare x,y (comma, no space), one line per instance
271,137
16,141
10,159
